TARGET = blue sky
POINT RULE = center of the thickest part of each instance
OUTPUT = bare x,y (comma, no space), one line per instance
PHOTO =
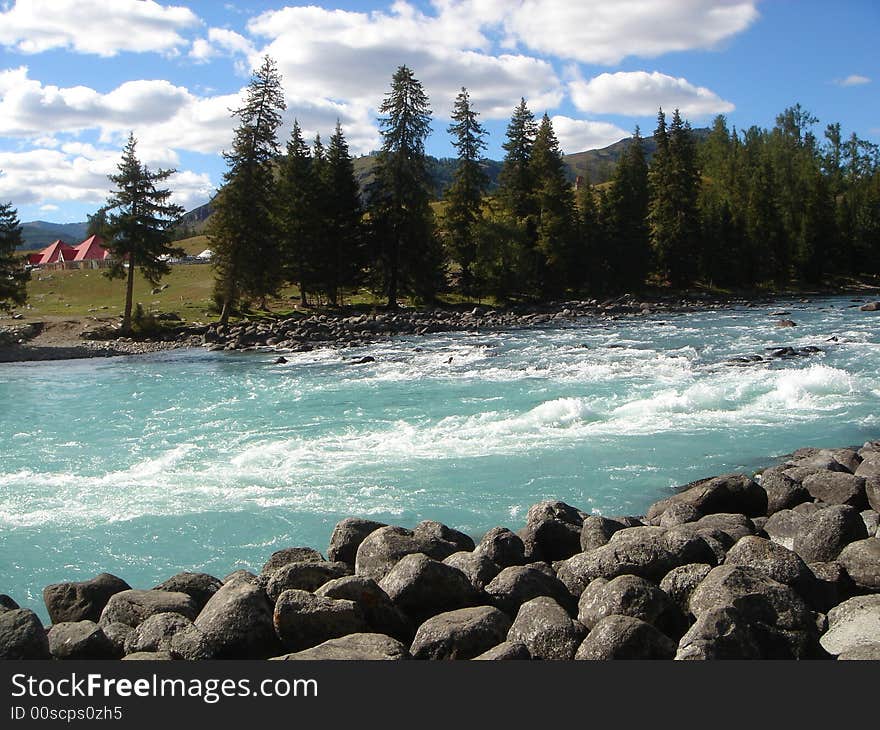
77,75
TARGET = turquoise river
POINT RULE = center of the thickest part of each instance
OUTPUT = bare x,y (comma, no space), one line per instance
197,461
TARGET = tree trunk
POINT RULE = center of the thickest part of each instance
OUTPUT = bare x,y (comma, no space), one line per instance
392,274
129,295
224,313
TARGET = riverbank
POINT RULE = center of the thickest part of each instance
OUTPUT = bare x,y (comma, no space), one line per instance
782,566
61,339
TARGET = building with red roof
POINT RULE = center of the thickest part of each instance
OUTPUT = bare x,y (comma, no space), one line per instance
90,254
92,250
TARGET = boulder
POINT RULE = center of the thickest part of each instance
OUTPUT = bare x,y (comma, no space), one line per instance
237,622
597,531
117,634
822,536
133,607
149,656
625,637
422,587
280,558
503,547
381,614
430,530
849,458
506,651
680,514
516,585
774,561
303,620
242,576
192,644
382,549
462,634
156,633
7,604
547,630
353,647
629,595
832,585
82,601
477,566
782,526
731,493
347,537
861,560
22,636
679,583
871,520
864,653
783,492
305,576
834,487
733,526
872,492
690,544
81,640
852,624
719,634
198,586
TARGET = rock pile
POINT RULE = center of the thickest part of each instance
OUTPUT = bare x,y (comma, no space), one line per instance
783,566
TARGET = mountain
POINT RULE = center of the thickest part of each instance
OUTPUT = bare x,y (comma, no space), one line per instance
39,234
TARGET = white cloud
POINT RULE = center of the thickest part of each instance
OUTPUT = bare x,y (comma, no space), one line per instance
853,80
220,42
95,26
607,31
49,208
335,54
578,135
639,93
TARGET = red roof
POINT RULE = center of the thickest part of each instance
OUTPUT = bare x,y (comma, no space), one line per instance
54,252
92,249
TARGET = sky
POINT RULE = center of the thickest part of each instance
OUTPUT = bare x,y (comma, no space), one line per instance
77,76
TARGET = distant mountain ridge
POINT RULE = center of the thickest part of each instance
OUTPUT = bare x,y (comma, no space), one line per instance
596,165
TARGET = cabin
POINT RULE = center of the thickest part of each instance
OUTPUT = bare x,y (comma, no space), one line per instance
90,254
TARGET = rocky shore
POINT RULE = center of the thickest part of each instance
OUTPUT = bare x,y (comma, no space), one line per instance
785,565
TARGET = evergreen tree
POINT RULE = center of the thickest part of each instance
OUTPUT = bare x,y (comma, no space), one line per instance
401,216
464,198
590,271
13,276
343,218
515,183
625,212
139,232
299,217
244,231
555,217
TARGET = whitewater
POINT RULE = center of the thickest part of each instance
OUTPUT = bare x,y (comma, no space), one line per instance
199,461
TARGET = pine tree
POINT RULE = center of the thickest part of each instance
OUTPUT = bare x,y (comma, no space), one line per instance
625,214
343,218
299,219
464,198
555,216
13,276
590,269
139,232
401,216
244,231
515,183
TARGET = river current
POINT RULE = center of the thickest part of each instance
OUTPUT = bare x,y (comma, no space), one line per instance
197,461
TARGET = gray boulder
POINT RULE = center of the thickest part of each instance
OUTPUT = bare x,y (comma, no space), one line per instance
852,624
782,526
81,640
547,630
156,633
462,634
774,561
304,620
822,536
237,622
837,488
629,595
305,576
516,585
347,537
506,651
381,614
280,558
22,636
422,587
553,528
871,520
733,526
149,656
7,604
198,586
360,647
477,566
832,585
731,493
242,576
597,531
117,634
679,583
133,607
382,549
863,653
625,637
680,513
862,562
503,547
783,492
721,633
82,601
872,492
